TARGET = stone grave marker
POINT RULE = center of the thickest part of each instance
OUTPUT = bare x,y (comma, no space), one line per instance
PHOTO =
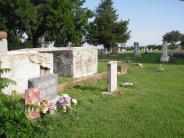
3,42
178,47
136,49
47,85
165,57
112,76
32,96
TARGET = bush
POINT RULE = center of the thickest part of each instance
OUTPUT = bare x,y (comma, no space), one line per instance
13,121
4,82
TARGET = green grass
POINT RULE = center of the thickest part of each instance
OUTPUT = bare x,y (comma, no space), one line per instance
152,108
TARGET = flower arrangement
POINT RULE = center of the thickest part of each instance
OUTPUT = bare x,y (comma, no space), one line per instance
63,102
47,106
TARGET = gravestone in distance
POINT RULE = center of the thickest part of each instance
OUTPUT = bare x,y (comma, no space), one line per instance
47,85
165,57
112,76
178,47
136,49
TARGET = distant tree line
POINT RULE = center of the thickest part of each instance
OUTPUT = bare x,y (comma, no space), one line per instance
61,22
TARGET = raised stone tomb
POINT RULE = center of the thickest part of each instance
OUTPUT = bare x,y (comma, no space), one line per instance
31,63
25,65
74,62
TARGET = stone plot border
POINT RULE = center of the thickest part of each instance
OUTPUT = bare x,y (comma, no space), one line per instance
95,77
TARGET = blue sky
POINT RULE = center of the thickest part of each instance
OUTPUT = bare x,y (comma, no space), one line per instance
149,19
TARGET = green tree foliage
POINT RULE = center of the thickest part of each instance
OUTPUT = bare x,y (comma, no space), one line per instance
105,29
59,21
16,17
182,40
5,82
172,37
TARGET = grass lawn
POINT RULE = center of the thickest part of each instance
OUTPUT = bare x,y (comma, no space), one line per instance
152,108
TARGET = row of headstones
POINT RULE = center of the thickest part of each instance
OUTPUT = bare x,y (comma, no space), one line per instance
149,50
164,58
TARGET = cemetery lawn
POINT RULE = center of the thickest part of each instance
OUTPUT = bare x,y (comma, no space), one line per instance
152,108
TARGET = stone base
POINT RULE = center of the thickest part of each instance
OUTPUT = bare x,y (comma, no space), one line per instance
3,46
164,59
107,93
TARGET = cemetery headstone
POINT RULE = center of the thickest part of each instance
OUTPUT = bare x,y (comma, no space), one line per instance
178,47
136,49
165,57
146,50
32,96
3,42
112,76
47,85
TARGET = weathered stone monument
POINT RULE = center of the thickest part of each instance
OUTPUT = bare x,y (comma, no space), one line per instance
46,84
74,62
164,58
3,42
136,49
112,76
25,65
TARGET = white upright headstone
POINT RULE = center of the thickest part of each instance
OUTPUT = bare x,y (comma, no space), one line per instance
3,46
136,49
178,47
112,76
165,57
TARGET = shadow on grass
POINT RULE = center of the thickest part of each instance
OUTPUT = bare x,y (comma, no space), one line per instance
89,88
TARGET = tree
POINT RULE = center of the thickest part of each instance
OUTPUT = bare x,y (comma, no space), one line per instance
172,37
182,40
58,21
16,18
105,29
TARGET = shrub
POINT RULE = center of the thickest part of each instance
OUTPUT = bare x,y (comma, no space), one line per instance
13,121
4,82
